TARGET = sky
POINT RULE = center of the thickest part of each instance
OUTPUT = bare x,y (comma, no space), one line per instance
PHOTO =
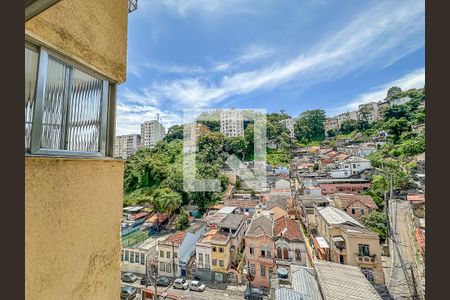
267,54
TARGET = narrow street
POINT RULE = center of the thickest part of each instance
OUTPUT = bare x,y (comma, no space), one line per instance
402,280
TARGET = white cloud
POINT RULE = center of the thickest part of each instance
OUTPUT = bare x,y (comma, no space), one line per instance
144,97
415,79
130,117
384,33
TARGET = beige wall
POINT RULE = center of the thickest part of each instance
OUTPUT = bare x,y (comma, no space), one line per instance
72,228
94,32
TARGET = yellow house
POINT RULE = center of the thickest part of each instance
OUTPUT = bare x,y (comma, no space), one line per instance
75,55
220,252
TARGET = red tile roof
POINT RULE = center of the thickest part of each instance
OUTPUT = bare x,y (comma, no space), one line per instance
415,197
175,238
288,228
347,200
156,218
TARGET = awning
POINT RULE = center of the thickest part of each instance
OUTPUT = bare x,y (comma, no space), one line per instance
322,242
337,239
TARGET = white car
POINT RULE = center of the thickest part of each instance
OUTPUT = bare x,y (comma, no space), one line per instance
196,286
180,283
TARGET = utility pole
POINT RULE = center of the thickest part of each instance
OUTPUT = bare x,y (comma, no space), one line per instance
173,259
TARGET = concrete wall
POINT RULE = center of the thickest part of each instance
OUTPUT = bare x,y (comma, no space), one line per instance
73,210
93,32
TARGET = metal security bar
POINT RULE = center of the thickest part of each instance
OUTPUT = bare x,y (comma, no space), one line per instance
132,5
66,107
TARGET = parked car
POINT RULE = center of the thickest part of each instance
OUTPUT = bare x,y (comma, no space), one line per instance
196,286
145,280
253,294
128,292
129,277
163,281
180,283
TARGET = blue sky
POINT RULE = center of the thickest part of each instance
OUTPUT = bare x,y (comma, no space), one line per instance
291,54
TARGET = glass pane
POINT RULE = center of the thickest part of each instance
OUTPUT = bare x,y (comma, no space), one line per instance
84,112
54,104
31,66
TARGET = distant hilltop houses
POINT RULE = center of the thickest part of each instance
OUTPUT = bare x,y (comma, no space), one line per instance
370,112
151,133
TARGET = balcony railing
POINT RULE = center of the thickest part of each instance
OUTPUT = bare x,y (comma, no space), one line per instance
366,258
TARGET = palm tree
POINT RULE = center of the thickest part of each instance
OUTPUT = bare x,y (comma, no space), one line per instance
167,201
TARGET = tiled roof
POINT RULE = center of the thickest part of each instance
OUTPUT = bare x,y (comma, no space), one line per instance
261,225
279,200
219,237
288,228
347,200
278,212
343,282
176,238
415,197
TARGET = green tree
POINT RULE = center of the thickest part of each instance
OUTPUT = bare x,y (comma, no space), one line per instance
183,220
310,126
167,201
236,146
174,133
395,127
377,222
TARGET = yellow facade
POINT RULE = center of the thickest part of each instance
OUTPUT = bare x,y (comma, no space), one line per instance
73,209
73,206
218,255
91,32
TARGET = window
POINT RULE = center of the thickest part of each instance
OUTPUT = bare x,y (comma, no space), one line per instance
142,259
362,211
221,263
263,251
207,260
168,268
200,260
341,259
252,249
214,262
353,211
175,255
279,252
214,249
220,249
252,269
298,255
268,254
161,253
122,255
167,254
66,106
126,255
162,266
285,253
364,250
263,271
132,257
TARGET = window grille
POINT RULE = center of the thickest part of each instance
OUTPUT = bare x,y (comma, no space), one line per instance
66,106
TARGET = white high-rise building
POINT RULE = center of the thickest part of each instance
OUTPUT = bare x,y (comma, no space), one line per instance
231,122
152,132
126,145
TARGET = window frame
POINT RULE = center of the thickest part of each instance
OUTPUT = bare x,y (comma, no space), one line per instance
107,108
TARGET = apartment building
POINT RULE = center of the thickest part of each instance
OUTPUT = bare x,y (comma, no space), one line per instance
382,107
399,101
349,242
331,124
231,122
126,145
151,133
290,123
350,115
75,55
368,112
